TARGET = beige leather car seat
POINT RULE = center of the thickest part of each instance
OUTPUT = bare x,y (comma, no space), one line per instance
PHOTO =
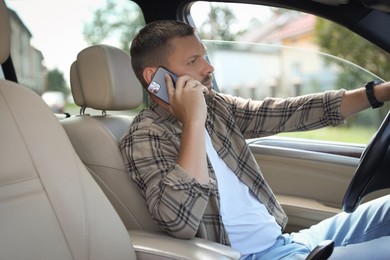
102,78
50,206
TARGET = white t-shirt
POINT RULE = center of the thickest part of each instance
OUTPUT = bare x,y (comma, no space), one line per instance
250,227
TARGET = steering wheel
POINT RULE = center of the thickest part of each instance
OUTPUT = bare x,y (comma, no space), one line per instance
373,171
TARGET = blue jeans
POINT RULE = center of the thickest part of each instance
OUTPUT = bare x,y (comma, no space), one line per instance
363,234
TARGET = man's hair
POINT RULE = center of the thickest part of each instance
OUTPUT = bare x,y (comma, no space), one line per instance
151,46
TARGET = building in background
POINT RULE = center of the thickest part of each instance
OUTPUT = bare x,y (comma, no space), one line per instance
280,58
27,60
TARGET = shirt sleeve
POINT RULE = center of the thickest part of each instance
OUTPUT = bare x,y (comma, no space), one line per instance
275,115
175,199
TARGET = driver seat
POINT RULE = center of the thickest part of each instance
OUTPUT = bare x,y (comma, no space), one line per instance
102,78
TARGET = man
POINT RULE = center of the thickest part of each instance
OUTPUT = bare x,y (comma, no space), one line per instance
192,165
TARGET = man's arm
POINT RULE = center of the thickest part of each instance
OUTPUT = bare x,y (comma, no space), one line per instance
188,105
356,100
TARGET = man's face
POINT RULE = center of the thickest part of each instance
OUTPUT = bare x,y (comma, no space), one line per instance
188,58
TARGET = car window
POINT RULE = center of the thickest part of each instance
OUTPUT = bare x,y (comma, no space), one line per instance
259,51
45,43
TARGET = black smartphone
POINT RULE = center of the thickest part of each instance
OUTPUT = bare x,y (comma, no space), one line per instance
158,86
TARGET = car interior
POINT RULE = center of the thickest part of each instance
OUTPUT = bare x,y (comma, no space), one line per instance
65,192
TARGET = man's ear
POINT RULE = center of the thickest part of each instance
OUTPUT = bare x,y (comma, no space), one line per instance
148,73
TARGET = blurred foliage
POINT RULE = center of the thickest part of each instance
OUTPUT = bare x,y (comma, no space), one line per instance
57,82
358,135
218,24
114,21
341,42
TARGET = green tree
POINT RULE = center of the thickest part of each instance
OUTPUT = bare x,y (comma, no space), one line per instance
339,41
219,24
56,82
114,22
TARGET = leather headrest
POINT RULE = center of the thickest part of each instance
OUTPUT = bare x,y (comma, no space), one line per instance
75,86
5,33
102,78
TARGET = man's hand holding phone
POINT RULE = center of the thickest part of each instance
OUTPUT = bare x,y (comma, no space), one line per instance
187,99
184,94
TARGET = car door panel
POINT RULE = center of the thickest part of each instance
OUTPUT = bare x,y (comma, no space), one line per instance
309,178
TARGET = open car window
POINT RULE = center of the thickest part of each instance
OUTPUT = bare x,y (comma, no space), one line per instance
273,52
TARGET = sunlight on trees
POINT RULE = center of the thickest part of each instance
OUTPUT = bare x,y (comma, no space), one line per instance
56,82
339,41
218,24
114,22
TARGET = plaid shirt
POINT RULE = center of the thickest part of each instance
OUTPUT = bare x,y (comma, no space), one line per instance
178,203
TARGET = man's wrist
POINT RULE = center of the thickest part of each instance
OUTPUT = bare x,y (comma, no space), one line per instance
370,93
